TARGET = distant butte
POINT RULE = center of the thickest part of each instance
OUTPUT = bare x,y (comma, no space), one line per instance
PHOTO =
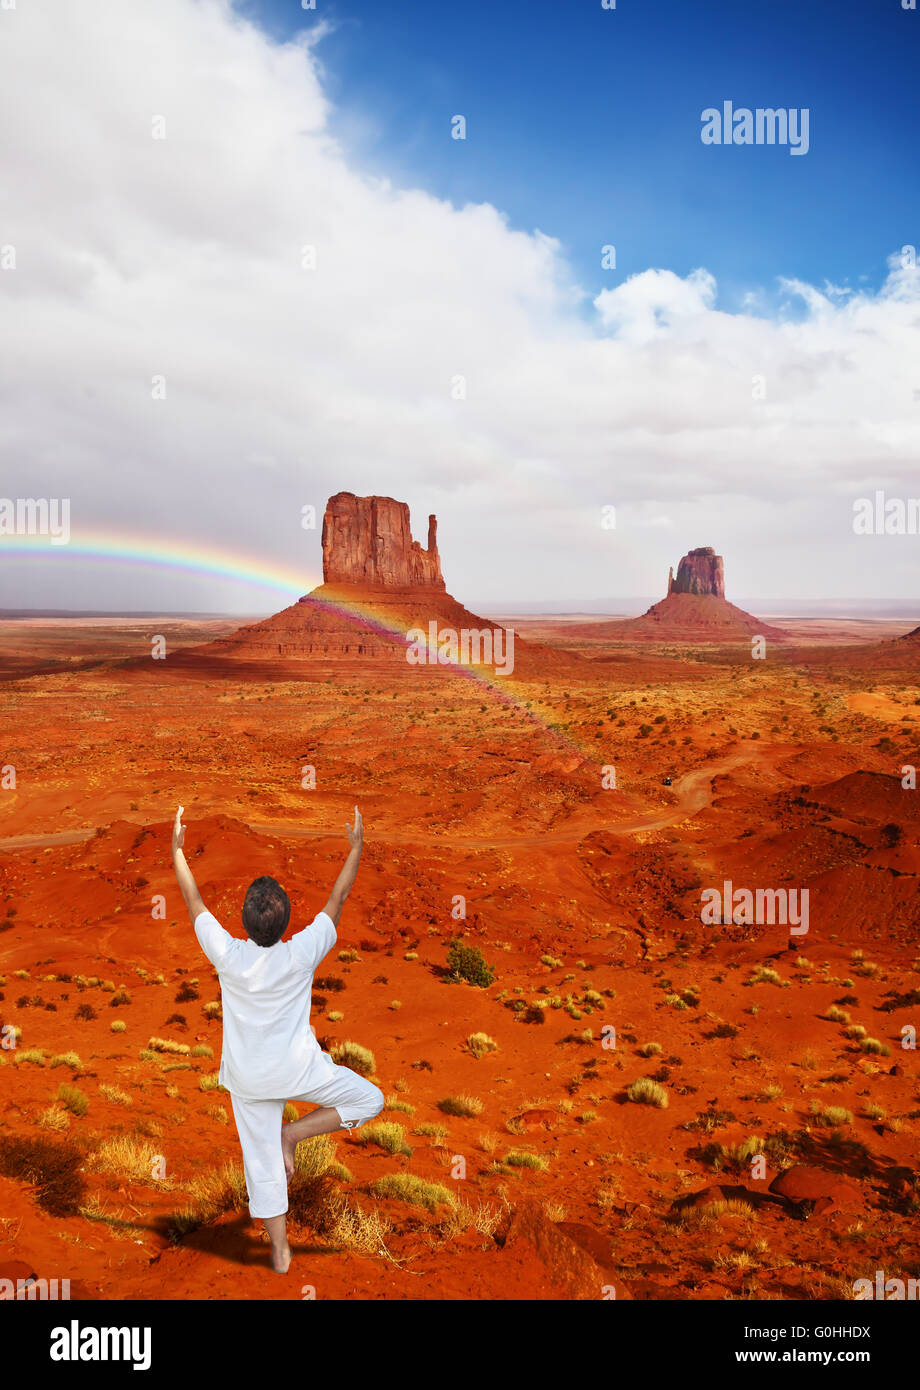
699,572
695,609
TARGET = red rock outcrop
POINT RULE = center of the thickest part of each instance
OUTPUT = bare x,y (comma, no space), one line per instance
695,609
700,571
379,586
368,541
554,1258
823,1191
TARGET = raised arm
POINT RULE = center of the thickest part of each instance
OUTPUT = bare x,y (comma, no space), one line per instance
187,885
346,878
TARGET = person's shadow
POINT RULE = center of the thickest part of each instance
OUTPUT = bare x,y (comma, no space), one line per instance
240,1242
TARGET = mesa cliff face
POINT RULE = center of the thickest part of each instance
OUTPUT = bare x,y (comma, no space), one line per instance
368,541
700,571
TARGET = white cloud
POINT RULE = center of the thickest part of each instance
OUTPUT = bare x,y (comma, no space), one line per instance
183,256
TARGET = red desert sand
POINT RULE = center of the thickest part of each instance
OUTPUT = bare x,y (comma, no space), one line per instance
621,1098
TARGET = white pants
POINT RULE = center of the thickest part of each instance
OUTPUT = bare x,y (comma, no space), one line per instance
258,1123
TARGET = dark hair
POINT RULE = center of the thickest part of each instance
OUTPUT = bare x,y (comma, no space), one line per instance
266,911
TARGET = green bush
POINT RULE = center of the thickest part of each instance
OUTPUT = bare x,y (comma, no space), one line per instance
467,963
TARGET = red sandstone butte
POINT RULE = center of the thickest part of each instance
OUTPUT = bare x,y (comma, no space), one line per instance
378,585
695,609
701,571
368,541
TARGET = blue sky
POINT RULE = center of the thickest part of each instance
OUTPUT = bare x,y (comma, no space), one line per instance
585,123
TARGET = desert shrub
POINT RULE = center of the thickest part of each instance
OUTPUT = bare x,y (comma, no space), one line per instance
830,1115
406,1187
401,1106
873,1045
650,1049
76,1100
186,993
54,1117
835,1015
67,1059
85,1011
313,1156
734,1156
734,1206
480,1043
35,1055
351,1054
724,1030
167,1045
522,1158
353,1228
465,1106
53,1169
115,1094
125,1156
427,1130
310,1192
210,1195
465,962
387,1134
648,1092
202,1050
117,1026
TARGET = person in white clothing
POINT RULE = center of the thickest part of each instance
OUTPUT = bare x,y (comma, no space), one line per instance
270,1054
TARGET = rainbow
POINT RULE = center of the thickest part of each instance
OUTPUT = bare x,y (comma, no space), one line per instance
376,619
212,562
204,560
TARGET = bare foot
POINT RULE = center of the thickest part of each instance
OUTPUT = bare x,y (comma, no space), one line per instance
281,1259
288,1146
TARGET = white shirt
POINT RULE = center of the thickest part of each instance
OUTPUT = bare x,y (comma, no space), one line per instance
269,1051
